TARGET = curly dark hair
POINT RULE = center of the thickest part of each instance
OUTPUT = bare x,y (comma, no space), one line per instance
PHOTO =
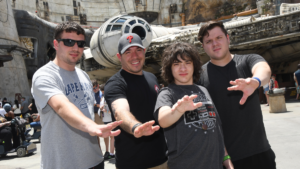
209,26
184,50
68,26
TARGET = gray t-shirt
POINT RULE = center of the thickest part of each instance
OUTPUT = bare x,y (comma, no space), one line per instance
189,145
63,146
25,105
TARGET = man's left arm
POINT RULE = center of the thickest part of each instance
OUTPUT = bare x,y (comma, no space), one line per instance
260,70
227,162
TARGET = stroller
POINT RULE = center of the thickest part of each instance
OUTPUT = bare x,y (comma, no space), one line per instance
24,147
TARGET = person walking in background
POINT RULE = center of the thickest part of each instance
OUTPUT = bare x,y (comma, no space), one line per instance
16,108
4,101
297,80
24,106
266,90
274,83
109,141
98,97
32,107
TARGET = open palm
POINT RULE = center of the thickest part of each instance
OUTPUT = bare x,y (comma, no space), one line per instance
146,129
186,104
247,86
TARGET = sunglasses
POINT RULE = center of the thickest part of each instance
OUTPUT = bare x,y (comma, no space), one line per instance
71,43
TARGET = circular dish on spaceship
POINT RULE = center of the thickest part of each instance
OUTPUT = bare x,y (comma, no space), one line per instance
104,43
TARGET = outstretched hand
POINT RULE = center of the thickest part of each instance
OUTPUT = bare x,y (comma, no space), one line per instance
105,130
186,104
247,86
145,129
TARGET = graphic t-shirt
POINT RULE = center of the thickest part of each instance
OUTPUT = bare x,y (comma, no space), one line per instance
243,127
141,93
195,140
62,145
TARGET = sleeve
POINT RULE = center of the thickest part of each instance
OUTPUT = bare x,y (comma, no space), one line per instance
15,106
164,99
113,90
102,101
100,93
254,59
43,88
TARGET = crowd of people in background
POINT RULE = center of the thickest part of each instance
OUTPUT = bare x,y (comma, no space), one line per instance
8,111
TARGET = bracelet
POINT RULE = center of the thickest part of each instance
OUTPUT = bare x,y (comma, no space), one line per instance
257,80
226,158
135,126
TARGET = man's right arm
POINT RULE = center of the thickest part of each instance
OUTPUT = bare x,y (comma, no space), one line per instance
62,106
121,111
167,116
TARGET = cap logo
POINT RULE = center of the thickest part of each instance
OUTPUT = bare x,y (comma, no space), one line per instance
129,37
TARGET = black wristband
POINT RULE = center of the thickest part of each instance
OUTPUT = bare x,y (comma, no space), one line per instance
135,126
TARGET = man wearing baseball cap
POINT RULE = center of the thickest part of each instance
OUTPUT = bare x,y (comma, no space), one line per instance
131,96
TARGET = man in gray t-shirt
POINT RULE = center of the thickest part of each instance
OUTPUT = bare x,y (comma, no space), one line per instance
64,99
24,105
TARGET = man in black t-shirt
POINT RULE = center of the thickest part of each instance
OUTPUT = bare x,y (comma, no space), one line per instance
131,96
232,81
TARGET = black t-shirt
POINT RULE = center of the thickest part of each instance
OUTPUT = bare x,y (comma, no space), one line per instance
243,128
141,93
33,109
187,141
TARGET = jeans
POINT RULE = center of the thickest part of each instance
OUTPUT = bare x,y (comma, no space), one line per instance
35,124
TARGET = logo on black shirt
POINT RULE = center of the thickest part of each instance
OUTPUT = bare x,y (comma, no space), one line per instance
204,115
156,88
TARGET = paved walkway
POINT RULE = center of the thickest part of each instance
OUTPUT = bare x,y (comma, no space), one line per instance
282,131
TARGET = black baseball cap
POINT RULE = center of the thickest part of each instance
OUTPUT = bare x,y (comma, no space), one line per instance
128,40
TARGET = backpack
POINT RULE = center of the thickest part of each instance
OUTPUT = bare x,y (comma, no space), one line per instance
20,122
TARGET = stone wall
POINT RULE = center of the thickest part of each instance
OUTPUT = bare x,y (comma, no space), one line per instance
13,73
163,12
85,12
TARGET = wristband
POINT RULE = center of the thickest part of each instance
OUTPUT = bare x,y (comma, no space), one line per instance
135,126
257,80
226,158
